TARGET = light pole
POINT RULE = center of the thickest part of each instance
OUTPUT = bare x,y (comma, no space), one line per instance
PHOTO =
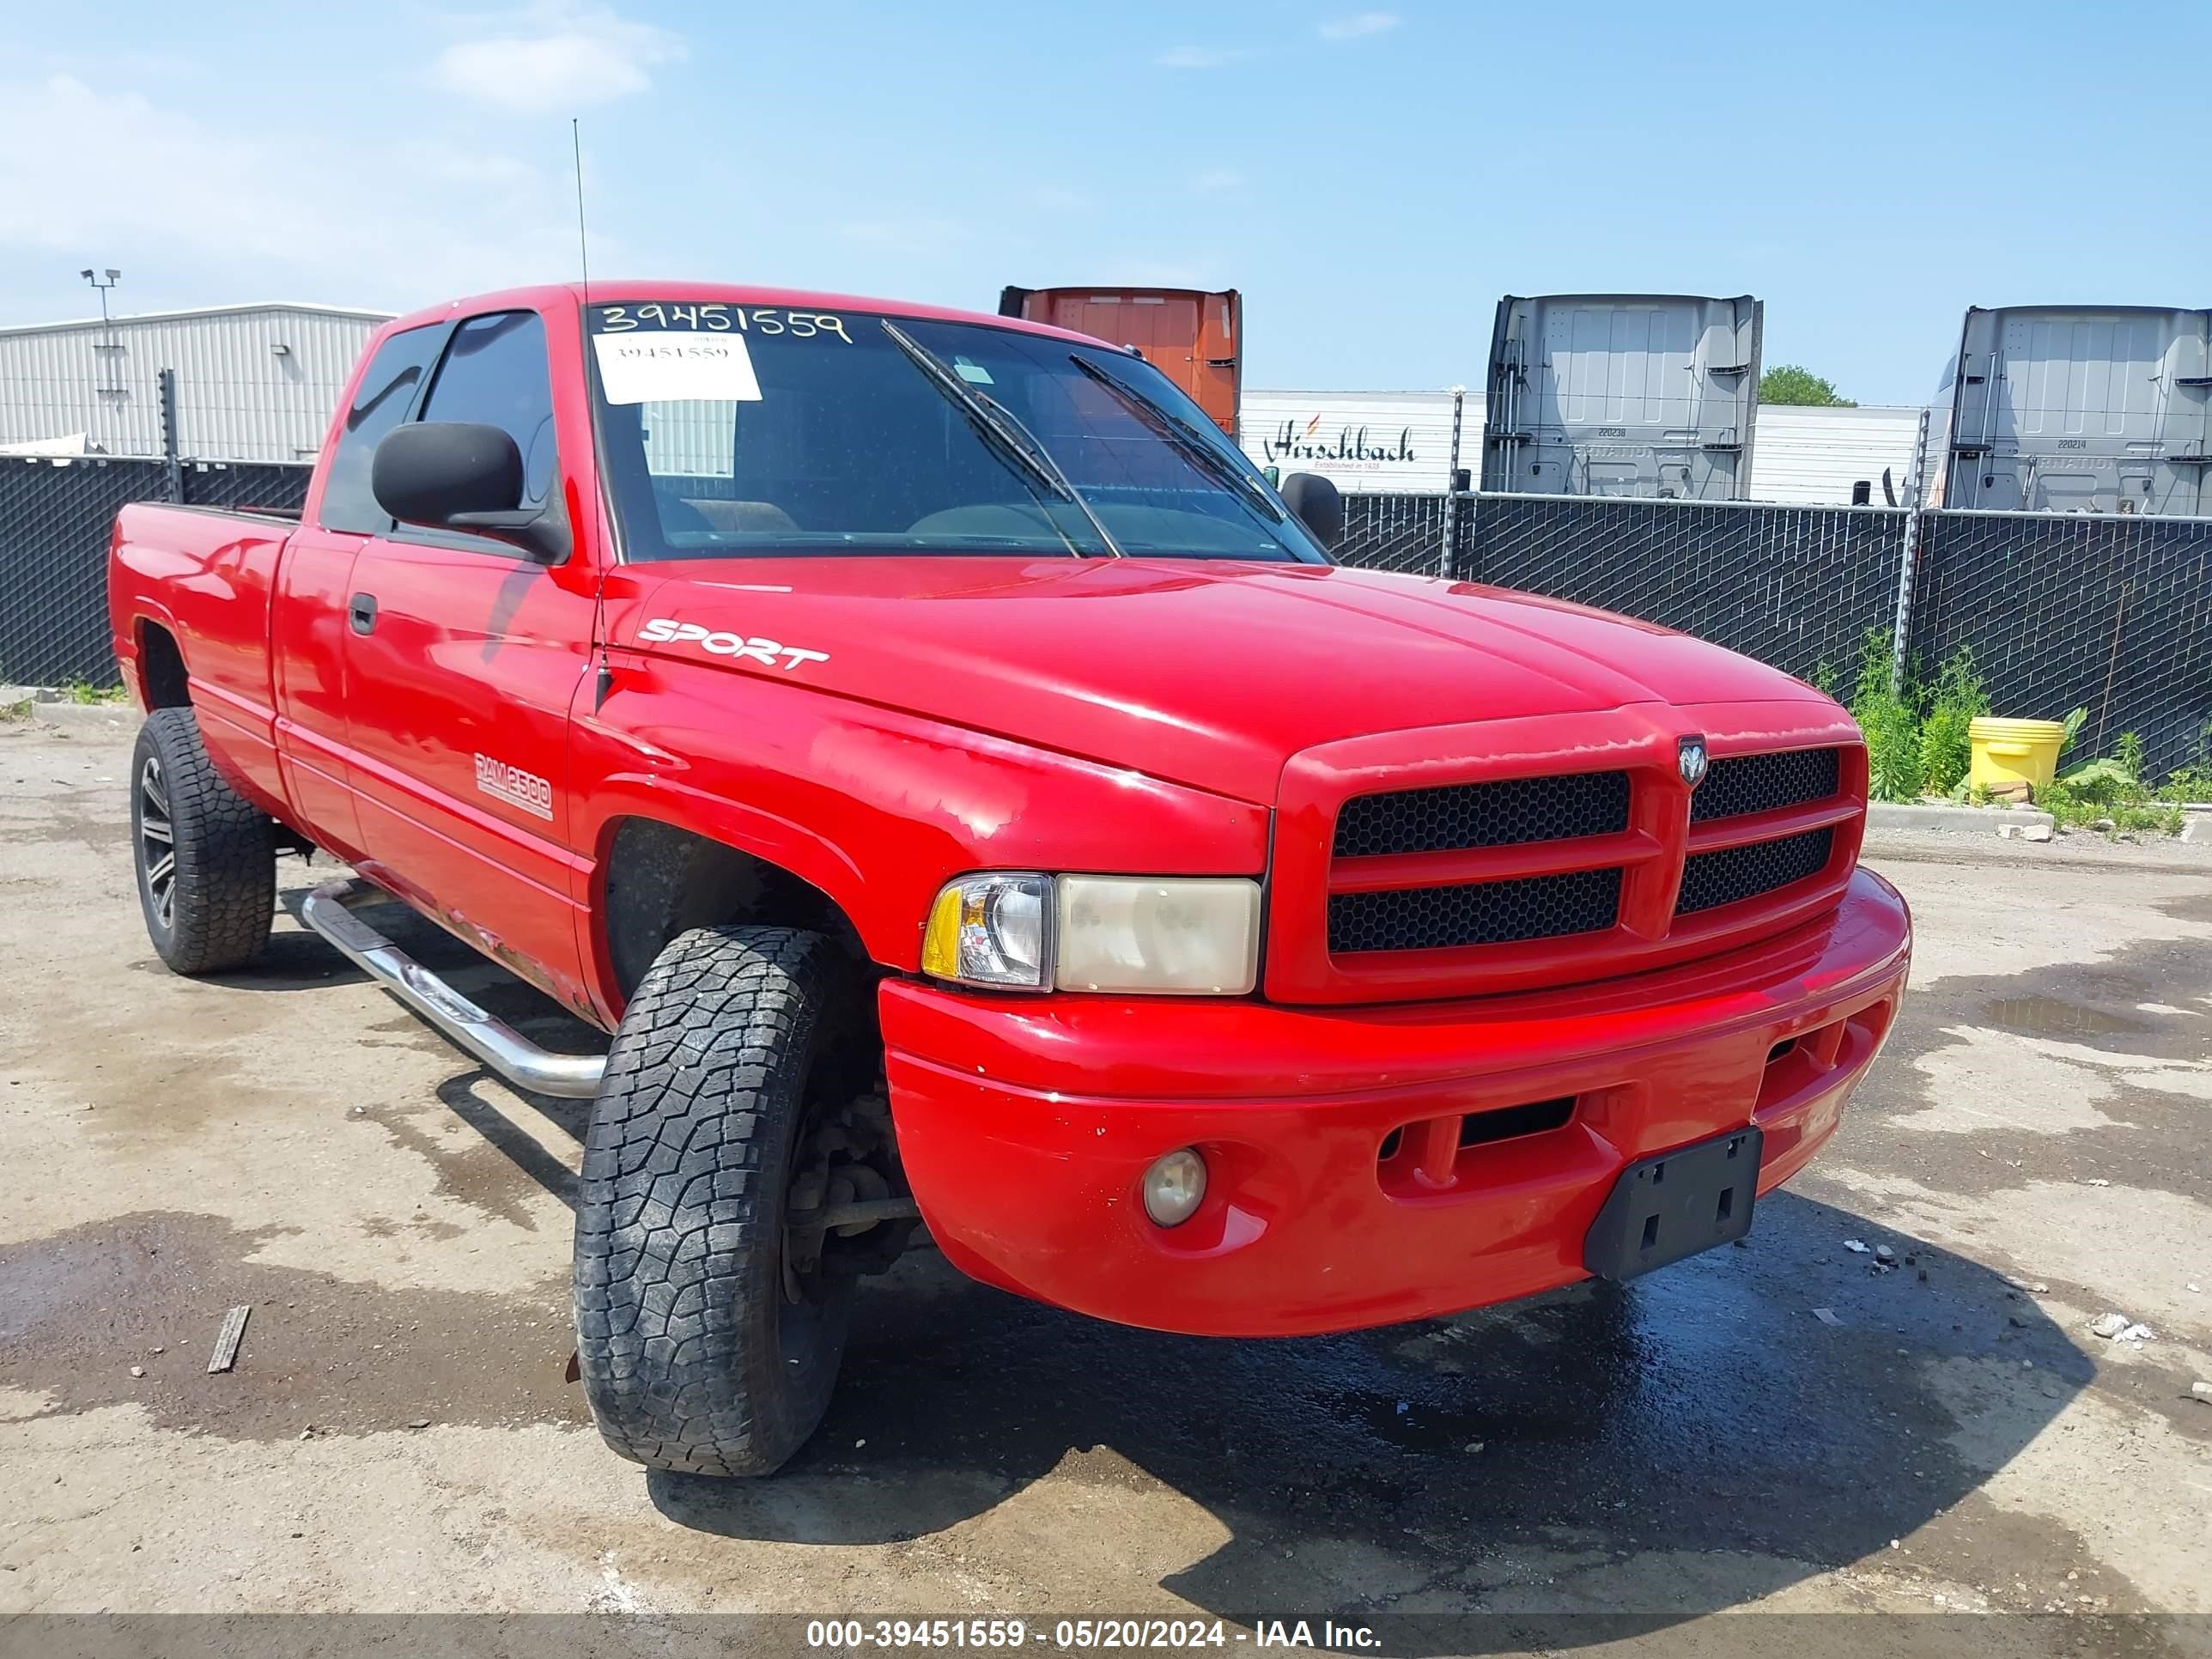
107,354
113,275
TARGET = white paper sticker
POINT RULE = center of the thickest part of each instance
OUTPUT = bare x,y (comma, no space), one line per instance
658,367
974,373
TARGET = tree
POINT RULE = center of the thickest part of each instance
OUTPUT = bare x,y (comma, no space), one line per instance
1792,383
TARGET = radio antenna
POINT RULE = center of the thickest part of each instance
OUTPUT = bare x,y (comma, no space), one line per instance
583,247
603,679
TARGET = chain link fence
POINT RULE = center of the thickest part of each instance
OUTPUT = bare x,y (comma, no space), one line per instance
55,518
54,522
261,486
1796,586
1395,533
2061,610
2109,613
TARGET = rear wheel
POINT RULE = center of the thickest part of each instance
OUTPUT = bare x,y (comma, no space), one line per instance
206,857
709,1331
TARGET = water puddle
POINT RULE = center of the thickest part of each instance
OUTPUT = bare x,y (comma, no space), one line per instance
2046,1016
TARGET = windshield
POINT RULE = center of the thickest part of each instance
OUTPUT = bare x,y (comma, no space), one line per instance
759,430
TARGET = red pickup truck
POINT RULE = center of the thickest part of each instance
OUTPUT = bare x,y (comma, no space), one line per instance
973,801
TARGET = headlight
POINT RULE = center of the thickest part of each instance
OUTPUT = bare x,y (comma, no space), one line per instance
1192,936
1173,933
991,929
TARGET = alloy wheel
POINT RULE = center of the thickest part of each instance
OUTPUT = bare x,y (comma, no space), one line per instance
157,842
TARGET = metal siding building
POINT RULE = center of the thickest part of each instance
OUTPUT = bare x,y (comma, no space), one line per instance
254,382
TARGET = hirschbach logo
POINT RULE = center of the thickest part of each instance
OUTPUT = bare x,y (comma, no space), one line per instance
1289,443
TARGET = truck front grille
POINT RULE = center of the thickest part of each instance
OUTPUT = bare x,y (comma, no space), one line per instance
1490,883
1745,784
1733,873
1509,813
1482,913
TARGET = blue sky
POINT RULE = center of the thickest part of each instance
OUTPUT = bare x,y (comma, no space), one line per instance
1371,178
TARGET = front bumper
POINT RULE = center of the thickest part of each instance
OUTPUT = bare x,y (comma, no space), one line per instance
1025,1126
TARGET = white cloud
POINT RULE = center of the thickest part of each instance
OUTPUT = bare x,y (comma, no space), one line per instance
554,59
1217,178
1200,58
306,213
1359,23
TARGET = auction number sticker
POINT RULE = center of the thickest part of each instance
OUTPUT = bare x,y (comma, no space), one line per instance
724,319
651,368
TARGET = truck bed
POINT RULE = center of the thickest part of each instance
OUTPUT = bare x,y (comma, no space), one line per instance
285,515
207,574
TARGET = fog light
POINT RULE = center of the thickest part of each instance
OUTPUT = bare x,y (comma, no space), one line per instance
1174,1187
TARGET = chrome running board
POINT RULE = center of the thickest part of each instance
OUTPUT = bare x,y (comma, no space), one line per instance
499,1045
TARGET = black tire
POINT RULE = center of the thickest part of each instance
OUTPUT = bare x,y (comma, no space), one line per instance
206,857
693,1357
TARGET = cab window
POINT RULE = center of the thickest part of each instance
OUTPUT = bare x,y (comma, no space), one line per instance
496,374
387,392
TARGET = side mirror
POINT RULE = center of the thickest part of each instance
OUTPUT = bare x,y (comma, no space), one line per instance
458,475
1314,500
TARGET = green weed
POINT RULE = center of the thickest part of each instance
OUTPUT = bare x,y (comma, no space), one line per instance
1946,748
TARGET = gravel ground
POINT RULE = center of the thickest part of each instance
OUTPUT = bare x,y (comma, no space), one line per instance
397,1434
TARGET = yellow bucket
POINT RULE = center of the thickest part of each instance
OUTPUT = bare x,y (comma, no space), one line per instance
2013,751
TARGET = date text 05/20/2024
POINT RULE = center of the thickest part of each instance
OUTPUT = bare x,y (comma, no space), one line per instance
1087,1634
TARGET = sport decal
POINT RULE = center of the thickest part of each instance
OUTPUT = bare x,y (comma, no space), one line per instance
664,630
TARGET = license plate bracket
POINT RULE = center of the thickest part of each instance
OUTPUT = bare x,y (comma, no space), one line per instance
1662,1209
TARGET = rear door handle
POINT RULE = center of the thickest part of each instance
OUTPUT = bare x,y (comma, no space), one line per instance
361,611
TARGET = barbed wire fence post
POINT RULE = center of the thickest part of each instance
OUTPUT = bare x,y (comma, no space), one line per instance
1447,560
1900,636
172,454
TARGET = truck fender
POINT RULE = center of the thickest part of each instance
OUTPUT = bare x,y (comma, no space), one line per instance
139,611
774,840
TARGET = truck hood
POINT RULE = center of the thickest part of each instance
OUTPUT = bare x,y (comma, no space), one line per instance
1211,673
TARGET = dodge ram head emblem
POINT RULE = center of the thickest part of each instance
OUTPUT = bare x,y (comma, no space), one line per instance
1689,758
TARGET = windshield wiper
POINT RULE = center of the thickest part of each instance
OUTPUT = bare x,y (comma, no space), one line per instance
1185,437
996,425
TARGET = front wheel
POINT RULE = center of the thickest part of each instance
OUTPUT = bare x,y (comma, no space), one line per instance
206,856
705,1343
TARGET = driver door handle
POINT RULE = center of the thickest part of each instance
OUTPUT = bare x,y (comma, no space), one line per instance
361,611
